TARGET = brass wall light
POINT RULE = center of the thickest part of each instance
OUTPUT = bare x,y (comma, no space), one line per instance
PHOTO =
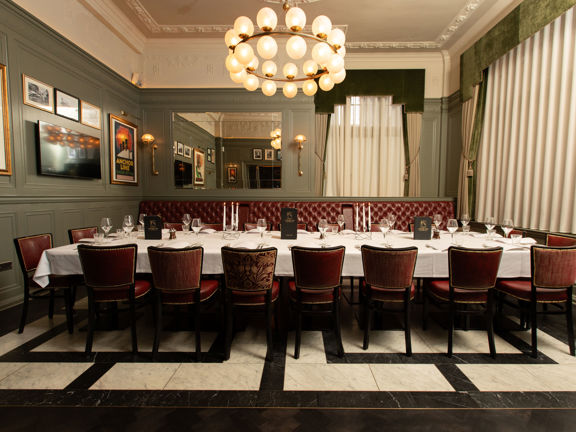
149,139
300,140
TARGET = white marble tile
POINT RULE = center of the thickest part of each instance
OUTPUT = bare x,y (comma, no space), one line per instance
13,340
498,377
136,376
383,341
409,377
44,376
311,348
7,369
329,377
216,376
549,345
247,353
465,342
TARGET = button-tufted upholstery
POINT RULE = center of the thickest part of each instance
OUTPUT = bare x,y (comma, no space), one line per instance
308,211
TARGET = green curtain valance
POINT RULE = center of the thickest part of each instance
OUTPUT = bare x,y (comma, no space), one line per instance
527,19
406,86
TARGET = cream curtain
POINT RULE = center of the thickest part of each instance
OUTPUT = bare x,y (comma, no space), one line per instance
527,160
365,149
320,149
414,133
468,116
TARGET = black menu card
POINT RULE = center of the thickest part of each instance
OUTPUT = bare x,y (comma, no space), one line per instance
422,228
289,223
153,228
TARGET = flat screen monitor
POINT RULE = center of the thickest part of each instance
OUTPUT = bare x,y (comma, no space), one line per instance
182,173
66,153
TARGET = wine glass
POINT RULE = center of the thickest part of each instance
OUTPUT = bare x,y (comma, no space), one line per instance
452,227
391,220
490,223
261,227
507,227
322,227
186,220
340,221
128,224
465,219
141,217
106,225
196,225
384,228
437,221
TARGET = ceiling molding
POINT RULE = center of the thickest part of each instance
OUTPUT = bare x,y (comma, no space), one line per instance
465,13
391,45
113,18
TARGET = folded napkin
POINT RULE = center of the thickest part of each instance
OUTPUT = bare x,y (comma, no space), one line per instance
86,240
208,230
435,247
176,244
347,231
244,244
527,240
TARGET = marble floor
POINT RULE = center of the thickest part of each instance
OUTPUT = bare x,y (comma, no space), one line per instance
46,367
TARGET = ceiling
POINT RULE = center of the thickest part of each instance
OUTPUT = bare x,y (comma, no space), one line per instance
369,24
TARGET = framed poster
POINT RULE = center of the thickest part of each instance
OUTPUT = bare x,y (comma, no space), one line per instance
90,115
209,155
199,167
268,154
67,105
123,151
5,158
188,152
38,94
180,149
232,174
257,154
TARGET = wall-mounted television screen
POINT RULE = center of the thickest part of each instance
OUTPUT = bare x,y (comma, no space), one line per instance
182,173
67,153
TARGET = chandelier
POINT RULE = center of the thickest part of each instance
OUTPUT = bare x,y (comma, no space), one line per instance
326,65
276,141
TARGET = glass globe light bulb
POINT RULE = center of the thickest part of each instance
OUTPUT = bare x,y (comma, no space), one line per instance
253,65
309,87
321,53
269,88
233,65
295,19
296,47
239,77
231,38
338,77
290,90
251,83
321,26
290,70
267,47
243,27
337,38
335,64
244,53
325,83
266,19
269,68
310,67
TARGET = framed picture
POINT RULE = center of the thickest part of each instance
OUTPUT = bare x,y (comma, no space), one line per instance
38,94
180,149
257,154
232,172
67,105
188,152
5,158
175,147
209,155
268,154
90,115
199,167
123,151
279,154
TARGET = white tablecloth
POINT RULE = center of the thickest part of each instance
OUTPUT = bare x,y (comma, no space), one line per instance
432,257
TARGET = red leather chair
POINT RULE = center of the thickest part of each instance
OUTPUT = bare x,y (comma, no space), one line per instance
110,277
29,250
173,225
553,275
177,277
560,240
388,278
249,282
77,234
317,274
472,278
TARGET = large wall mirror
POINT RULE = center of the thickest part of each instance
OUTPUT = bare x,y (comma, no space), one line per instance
227,150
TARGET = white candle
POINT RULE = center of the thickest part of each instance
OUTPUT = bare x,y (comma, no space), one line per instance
224,220
363,217
237,205
369,219
233,222
356,225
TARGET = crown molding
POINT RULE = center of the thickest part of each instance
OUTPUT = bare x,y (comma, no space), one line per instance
113,18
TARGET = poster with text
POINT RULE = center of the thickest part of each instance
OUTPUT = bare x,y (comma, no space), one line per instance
123,151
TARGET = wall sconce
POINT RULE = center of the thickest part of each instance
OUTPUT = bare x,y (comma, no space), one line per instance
149,139
300,140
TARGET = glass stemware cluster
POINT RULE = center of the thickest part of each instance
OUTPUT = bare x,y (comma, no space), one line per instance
186,221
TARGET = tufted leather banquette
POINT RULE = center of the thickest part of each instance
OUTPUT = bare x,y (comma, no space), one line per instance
308,211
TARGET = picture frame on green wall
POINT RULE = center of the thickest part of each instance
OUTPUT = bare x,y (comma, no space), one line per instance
199,167
5,155
66,105
90,115
257,154
38,94
123,151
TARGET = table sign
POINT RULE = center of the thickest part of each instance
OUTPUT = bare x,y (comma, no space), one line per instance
153,228
289,223
422,228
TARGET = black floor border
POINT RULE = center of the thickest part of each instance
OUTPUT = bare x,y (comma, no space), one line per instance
90,376
456,378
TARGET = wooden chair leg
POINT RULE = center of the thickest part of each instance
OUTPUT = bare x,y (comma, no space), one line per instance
269,341
51,305
490,323
452,318
24,308
229,308
424,308
336,311
157,324
91,319
298,307
533,323
368,311
69,303
569,323
132,301
407,334
197,331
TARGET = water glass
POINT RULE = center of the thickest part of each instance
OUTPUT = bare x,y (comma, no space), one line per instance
196,225
384,227
340,221
261,227
465,220
98,238
106,225
186,220
141,217
322,227
128,224
119,233
489,223
452,227
490,233
507,226
465,229
516,238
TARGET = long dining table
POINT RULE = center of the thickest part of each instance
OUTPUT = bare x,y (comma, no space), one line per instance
432,261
